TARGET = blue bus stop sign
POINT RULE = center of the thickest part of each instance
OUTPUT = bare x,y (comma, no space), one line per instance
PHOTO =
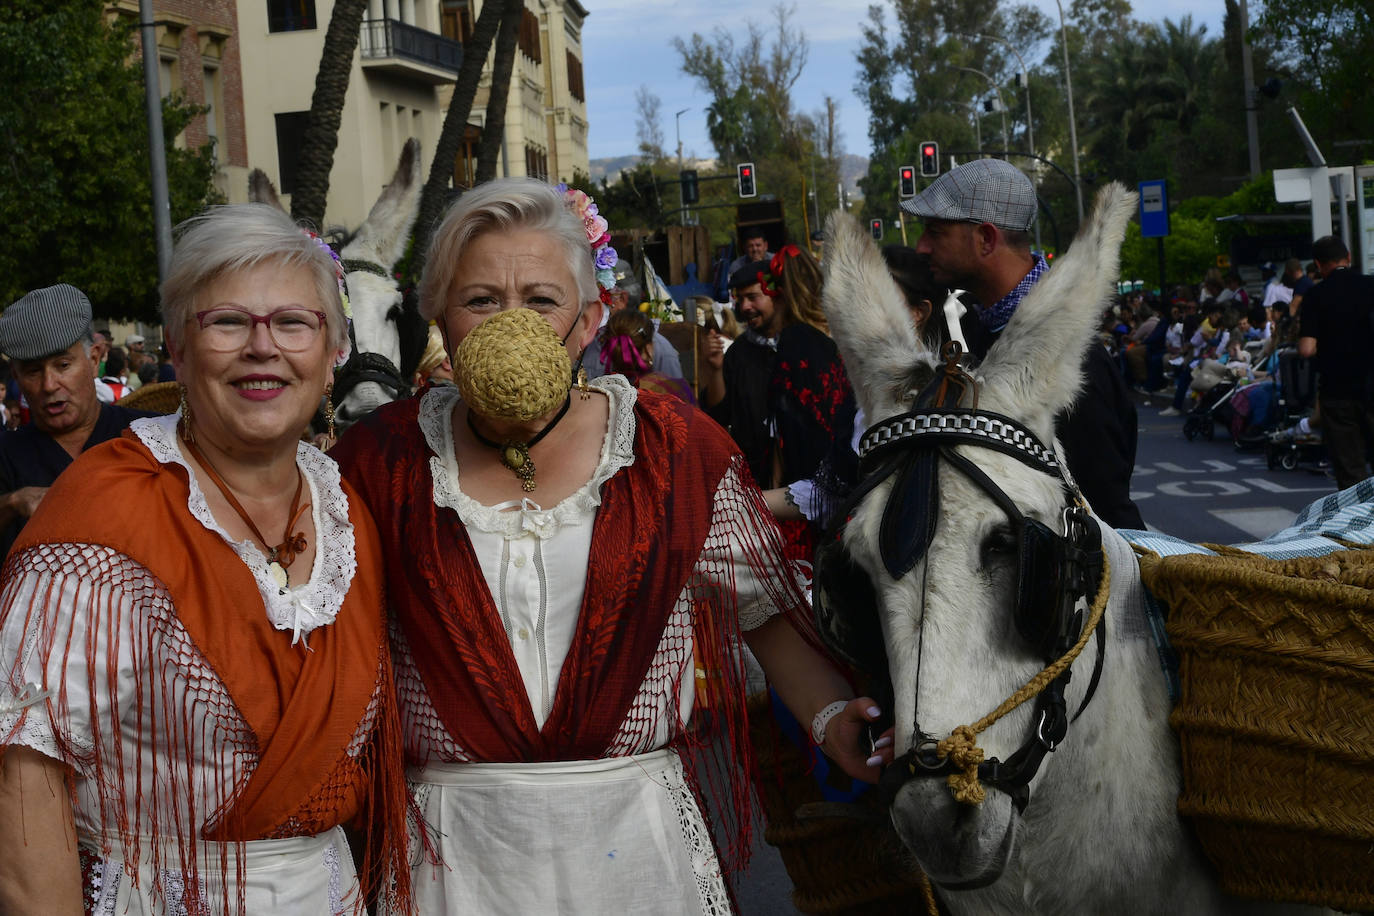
1154,210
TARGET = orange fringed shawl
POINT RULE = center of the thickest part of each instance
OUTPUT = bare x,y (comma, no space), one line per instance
321,745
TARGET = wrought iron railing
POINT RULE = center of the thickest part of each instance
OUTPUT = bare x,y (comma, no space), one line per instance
392,38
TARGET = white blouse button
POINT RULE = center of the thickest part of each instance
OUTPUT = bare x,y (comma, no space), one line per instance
519,562
524,633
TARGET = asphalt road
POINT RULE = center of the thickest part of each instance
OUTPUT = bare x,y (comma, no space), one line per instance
1209,492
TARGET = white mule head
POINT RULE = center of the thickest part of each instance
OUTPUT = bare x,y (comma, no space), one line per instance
373,292
953,649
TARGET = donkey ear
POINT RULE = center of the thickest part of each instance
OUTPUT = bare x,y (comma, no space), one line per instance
1036,363
262,191
868,318
382,236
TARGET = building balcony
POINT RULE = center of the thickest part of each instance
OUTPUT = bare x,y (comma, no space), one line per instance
391,46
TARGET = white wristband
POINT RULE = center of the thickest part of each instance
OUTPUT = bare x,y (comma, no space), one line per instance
823,718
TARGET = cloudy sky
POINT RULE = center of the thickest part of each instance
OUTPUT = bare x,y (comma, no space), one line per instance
628,43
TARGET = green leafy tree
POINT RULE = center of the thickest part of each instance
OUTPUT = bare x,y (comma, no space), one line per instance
911,80
74,179
1324,48
752,116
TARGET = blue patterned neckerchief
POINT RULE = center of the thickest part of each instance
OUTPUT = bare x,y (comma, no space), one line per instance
995,319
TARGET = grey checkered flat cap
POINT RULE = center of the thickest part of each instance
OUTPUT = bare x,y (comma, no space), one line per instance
982,191
44,322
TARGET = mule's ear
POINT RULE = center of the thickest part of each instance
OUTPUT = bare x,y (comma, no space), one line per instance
868,318
1037,362
382,236
262,191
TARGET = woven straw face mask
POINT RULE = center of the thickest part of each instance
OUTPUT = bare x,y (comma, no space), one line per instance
513,366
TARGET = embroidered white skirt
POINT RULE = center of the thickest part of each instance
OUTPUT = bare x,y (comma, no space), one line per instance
622,835
300,876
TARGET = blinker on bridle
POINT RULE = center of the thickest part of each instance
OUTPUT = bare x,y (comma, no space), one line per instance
1054,571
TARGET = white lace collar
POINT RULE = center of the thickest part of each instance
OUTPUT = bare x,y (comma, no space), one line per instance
302,608
617,451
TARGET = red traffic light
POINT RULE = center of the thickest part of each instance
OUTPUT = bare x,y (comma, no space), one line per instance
930,158
906,182
744,175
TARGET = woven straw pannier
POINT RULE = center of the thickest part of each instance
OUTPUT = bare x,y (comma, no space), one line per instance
1276,720
838,866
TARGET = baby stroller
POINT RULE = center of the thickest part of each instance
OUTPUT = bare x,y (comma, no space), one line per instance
1297,394
1211,408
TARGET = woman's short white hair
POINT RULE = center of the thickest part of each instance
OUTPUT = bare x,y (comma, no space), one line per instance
505,205
236,237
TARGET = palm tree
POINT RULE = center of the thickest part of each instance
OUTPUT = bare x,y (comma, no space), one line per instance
435,193
489,147
326,109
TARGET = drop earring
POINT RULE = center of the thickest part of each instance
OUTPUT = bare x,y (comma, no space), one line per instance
185,408
329,410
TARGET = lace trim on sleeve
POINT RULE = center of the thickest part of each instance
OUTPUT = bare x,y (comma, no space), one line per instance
312,604
738,542
617,451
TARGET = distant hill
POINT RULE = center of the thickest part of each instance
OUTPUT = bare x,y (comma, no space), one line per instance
852,168
602,168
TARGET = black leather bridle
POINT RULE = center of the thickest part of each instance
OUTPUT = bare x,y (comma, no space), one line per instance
367,366
1055,571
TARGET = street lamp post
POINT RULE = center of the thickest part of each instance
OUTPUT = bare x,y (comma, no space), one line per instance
1030,124
1073,127
677,129
1006,141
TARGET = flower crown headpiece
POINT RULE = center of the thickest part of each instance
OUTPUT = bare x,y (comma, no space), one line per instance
343,294
769,280
338,271
604,257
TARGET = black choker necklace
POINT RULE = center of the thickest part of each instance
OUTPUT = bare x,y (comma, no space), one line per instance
516,455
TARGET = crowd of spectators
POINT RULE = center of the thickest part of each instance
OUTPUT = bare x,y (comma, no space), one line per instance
1204,334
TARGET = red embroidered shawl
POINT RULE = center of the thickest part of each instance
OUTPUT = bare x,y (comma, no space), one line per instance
648,535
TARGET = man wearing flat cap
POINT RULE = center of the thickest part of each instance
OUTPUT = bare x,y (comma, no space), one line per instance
47,336
977,220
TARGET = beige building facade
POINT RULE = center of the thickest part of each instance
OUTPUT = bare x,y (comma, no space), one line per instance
546,110
402,79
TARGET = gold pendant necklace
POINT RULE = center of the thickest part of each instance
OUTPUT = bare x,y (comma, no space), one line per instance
516,455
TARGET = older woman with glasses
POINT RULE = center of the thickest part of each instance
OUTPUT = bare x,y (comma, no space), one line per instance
561,564
192,708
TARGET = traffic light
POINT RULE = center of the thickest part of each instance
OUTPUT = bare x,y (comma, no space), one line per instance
930,159
690,192
746,179
875,226
907,183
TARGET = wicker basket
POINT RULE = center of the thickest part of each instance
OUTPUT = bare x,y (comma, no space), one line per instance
1276,720
155,397
838,866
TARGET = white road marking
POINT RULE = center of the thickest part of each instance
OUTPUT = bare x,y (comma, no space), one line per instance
1259,522
1273,486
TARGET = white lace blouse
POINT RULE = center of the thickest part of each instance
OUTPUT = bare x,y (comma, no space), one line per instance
126,645
534,560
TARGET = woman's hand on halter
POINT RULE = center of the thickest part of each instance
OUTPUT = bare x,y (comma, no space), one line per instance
847,740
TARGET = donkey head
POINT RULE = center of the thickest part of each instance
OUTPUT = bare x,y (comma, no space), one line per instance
954,652
374,374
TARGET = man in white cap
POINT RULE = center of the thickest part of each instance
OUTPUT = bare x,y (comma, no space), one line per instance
47,336
977,221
